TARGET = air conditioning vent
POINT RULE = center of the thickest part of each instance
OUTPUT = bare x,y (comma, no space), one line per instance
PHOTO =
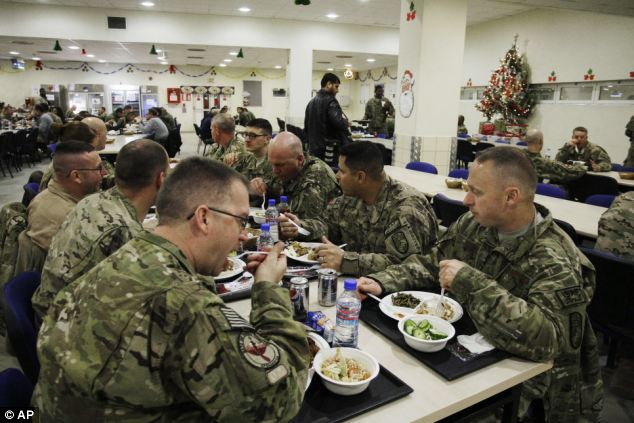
343,57
195,57
46,52
196,49
116,22
324,63
22,43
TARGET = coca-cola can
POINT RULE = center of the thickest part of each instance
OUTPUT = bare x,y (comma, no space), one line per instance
298,291
327,287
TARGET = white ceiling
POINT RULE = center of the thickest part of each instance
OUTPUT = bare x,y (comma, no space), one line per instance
383,13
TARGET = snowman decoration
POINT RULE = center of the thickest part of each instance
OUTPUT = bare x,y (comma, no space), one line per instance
406,98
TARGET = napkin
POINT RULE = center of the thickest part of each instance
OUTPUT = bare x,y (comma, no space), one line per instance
476,344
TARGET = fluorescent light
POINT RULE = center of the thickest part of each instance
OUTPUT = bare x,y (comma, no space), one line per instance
244,9
15,53
147,4
370,60
90,55
278,67
36,58
330,69
73,47
228,60
233,53
223,65
164,63
158,50
348,65
332,15
101,61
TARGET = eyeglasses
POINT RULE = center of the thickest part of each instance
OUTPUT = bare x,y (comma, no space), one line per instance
251,135
242,221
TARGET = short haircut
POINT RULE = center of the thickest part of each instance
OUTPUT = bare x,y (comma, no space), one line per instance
127,106
224,123
154,111
74,131
193,182
139,163
118,110
329,77
363,156
67,155
262,124
533,136
376,87
580,129
511,164
41,107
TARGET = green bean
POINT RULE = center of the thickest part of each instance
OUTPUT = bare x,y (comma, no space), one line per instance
405,300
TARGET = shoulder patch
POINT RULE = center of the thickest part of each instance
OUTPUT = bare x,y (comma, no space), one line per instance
234,319
400,242
575,321
258,351
569,297
277,374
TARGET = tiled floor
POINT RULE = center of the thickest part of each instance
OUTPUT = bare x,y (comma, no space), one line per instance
616,410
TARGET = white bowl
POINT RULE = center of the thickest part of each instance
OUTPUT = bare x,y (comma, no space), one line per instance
422,344
258,216
347,388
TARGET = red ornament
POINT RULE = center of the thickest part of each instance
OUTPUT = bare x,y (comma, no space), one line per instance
631,74
83,51
172,69
411,15
586,77
38,65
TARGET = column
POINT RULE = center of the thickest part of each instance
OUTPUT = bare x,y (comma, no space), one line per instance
431,48
299,77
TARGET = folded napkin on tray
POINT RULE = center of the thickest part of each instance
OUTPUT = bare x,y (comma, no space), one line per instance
476,344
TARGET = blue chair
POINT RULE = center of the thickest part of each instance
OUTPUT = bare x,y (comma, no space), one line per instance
422,167
551,190
601,200
20,320
15,389
448,210
616,167
465,153
459,173
502,141
521,143
30,191
626,169
52,148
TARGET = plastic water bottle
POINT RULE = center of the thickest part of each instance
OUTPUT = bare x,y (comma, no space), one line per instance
548,153
271,216
265,242
283,207
348,308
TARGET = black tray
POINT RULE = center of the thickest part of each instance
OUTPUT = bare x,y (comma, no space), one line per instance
322,406
442,362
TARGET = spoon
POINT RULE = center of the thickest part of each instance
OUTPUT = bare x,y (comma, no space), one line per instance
440,306
389,306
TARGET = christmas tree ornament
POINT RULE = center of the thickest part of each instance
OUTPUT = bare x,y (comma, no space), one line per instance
83,52
632,74
240,54
469,83
589,75
411,15
552,77
57,46
38,65
153,50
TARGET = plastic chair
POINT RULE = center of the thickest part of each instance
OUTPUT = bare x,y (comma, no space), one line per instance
590,184
521,143
30,191
465,153
448,210
616,167
422,167
281,124
52,148
500,141
550,190
15,389
569,230
626,169
459,173
611,310
481,146
601,200
20,320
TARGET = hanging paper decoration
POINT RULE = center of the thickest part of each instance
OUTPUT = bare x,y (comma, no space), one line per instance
84,67
369,75
348,74
130,69
252,73
240,54
200,90
214,90
83,51
411,15
552,77
38,65
153,50
406,97
228,90
213,71
632,74
187,90
469,83
589,75
172,69
57,46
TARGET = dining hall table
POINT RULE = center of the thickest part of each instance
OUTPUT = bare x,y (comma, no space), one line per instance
113,148
628,184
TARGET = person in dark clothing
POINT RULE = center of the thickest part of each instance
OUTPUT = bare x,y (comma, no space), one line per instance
325,125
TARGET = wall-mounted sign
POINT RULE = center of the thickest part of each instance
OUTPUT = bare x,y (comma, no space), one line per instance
173,95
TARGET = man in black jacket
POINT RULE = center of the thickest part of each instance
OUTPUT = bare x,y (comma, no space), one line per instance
325,125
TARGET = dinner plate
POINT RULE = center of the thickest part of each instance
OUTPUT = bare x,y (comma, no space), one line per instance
240,284
321,343
238,267
430,300
302,259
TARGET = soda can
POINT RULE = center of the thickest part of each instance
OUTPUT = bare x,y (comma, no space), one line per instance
298,291
327,287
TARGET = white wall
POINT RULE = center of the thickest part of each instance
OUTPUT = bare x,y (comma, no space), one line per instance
569,43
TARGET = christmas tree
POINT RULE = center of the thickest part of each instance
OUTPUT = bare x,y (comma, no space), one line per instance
507,93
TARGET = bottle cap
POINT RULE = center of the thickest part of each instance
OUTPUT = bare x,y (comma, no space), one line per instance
283,199
271,202
350,284
265,227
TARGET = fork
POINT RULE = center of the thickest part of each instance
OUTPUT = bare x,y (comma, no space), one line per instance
440,306
263,201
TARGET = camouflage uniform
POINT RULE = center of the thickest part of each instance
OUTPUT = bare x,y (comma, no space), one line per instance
592,152
97,227
310,192
142,338
236,146
12,223
555,172
528,296
108,179
629,132
399,224
377,114
616,227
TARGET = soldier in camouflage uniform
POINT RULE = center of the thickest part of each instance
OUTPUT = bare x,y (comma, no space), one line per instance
309,183
257,136
100,224
227,148
143,337
629,132
616,227
382,220
521,279
550,171
377,109
580,149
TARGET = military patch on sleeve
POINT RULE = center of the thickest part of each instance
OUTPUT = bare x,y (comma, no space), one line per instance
569,297
277,374
234,319
400,242
576,329
258,352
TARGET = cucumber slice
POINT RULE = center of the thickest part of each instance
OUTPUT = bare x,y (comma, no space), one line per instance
410,326
424,325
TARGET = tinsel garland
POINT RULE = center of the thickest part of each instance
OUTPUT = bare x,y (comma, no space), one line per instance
369,75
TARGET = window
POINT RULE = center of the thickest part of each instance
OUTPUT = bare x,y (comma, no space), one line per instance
543,92
581,92
466,93
252,91
616,91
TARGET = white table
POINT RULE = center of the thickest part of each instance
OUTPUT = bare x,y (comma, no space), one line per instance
623,182
427,183
386,142
119,142
433,398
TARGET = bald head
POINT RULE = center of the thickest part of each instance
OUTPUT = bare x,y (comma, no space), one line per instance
100,129
286,156
287,143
